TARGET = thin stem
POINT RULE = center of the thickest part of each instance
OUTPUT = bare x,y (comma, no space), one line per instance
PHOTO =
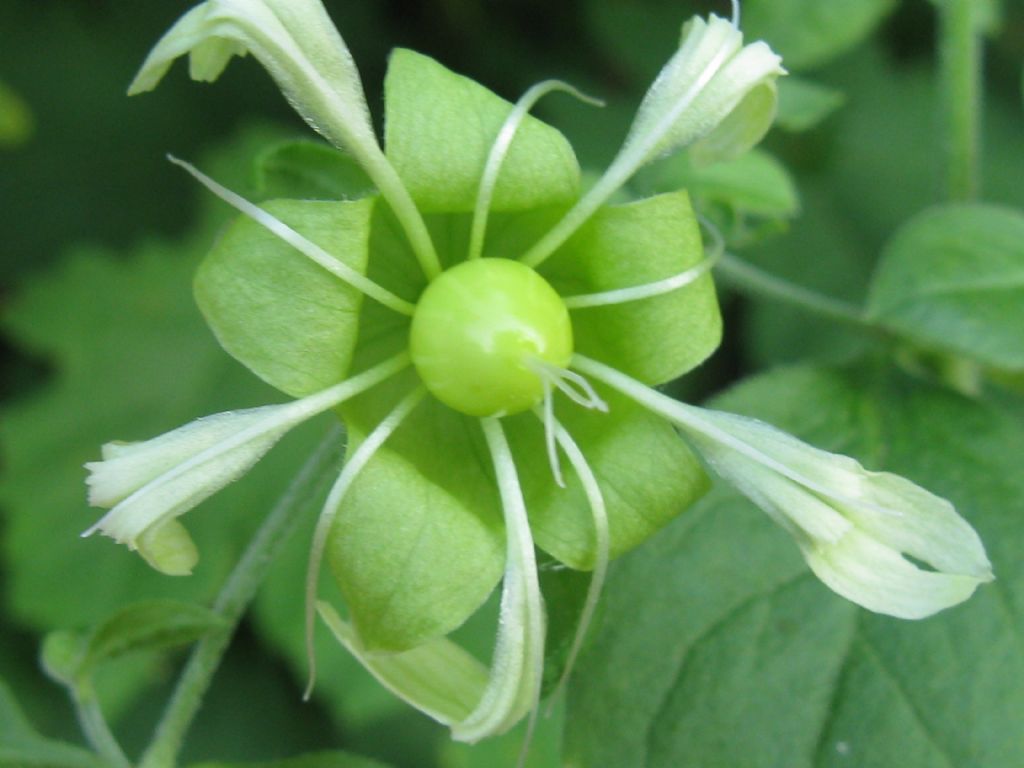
232,601
749,279
303,245
391,187
618,173
706,424
645,291
602,536
500,148
353,467
637,150
518,661
960,72
95,728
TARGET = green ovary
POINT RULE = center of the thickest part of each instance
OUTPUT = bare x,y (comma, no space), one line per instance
481,329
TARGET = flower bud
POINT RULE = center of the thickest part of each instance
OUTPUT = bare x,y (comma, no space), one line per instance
296,42
149,484
714,95
854,527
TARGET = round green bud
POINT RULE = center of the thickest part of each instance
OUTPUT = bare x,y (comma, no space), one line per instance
478,331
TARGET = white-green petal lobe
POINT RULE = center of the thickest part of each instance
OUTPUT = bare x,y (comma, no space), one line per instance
714,87
168,548
874,575
296,42
742,128
127,467
439,678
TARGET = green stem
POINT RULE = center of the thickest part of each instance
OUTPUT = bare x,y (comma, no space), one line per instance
387,180
749,279
231,603
95,728
960,72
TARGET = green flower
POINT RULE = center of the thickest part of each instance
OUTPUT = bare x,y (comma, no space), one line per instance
475,318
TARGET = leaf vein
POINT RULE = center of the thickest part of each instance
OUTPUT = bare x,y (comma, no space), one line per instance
932,737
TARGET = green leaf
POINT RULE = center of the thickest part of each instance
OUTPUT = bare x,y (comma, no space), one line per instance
987,14
22,747
647,476
657,339
803,103
310,170
776,333
16,123
439,128
314,760
154,625
137,361
288,320
953,278
750,194
809,33
717,642
416,547
439,677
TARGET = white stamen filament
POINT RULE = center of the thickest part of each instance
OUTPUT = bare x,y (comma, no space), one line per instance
548,419
735,14
599,514
360,458
500,148
302,244
570,384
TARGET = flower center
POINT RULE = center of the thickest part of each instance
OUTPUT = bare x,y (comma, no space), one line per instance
479,331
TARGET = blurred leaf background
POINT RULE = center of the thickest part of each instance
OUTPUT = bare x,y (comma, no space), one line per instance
100,337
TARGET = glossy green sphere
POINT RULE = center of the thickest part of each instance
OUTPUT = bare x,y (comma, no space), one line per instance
476,329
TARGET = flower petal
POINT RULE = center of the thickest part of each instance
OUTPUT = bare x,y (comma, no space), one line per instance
168,548
163,481
439,678
415,547
874,575
151,482
128,467
296,42
628,245
710,75
439,129
926,527
852,525
518,663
